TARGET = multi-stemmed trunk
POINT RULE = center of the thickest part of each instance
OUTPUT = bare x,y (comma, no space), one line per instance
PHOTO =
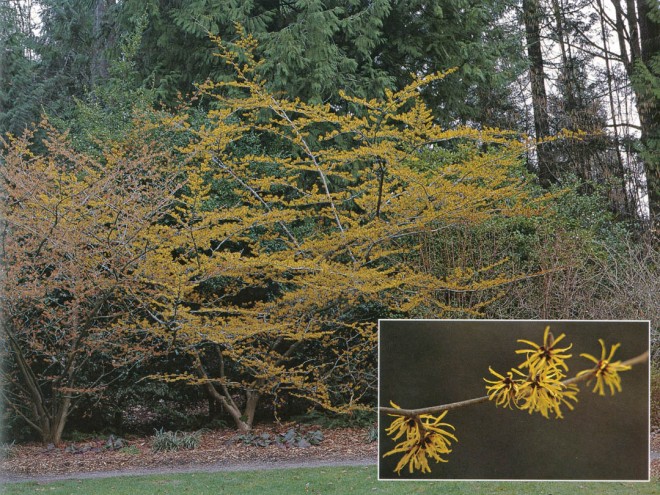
48,412
244,419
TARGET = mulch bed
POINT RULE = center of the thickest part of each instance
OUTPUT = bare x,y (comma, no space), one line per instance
217,448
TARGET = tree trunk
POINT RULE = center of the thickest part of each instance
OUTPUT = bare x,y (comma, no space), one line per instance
56,423
620,198
253,397
244,420
641,32
531,17
48,421
100,66
648,104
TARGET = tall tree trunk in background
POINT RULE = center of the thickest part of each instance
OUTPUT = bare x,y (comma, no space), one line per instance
649,103
531,18
596,158
566,60
99,62
629,203
638,28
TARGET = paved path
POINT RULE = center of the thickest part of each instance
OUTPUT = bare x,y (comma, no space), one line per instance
207,468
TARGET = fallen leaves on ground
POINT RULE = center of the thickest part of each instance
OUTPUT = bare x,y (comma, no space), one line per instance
217,448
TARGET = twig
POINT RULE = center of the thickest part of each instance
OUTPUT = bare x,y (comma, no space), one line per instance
455,405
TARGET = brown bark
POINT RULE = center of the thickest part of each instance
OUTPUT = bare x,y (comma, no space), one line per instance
49,422
648,104
100,64
242,420
531,17
639,35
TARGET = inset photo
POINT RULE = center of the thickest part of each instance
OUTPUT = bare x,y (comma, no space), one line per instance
514,400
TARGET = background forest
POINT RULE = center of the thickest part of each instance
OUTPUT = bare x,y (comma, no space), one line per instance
209,203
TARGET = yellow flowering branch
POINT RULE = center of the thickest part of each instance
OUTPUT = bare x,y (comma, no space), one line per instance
478,400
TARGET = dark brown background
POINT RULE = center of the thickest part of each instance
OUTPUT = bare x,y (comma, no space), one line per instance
424,363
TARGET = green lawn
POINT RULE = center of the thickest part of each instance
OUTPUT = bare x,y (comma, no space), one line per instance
312,481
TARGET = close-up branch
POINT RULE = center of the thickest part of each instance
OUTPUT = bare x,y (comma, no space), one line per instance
478,400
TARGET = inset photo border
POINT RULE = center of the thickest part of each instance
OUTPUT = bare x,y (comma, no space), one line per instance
514,400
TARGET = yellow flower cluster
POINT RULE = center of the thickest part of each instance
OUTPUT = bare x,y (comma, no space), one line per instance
424,436
606,370
541,389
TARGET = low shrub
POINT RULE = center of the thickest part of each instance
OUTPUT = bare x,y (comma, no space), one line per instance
292,438
130,449
175,440
372,435
354,419
7,450
98,445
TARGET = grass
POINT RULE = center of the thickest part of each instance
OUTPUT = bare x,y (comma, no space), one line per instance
312,481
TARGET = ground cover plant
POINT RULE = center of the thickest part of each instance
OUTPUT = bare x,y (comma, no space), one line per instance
175,440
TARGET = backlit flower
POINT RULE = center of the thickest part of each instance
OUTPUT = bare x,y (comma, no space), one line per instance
504,390
606,370
402,425
546,355
544,392
569,393
426,437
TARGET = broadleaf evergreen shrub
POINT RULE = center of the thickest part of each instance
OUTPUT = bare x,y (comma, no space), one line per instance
164,441
7,450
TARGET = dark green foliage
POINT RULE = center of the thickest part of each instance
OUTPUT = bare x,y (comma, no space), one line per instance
175,440
356,419
78,68
111,443
426,37
312,49
105,112
7,450
20,94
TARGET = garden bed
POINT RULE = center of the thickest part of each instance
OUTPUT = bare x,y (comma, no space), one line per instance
217,449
